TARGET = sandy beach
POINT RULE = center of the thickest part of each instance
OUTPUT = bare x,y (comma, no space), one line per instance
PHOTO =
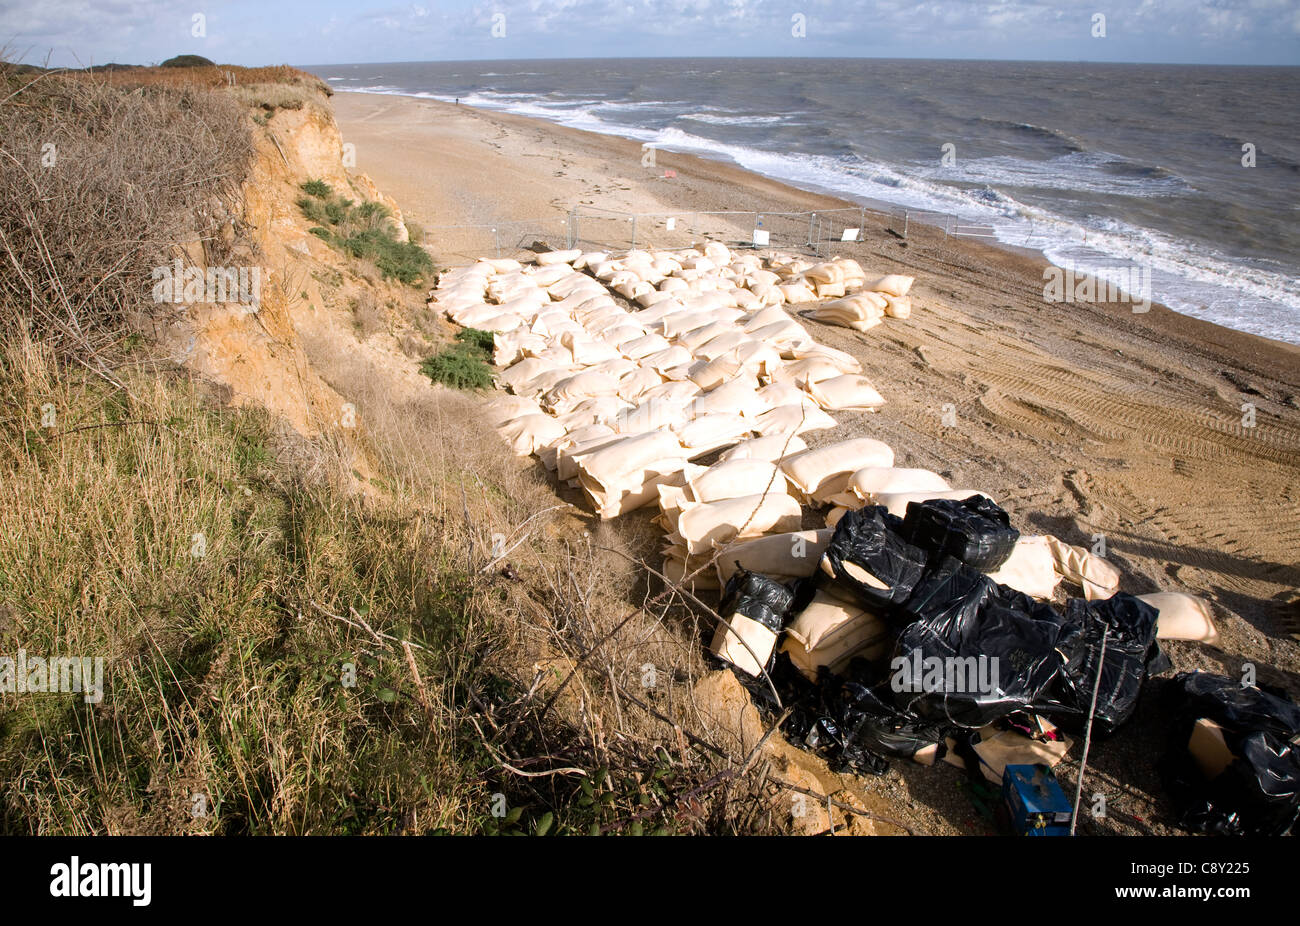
1173,439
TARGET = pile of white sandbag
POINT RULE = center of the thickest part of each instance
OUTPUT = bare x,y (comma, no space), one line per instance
702,359
623,398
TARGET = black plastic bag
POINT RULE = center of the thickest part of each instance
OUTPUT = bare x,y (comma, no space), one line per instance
949,593
1132,653
877,727
975,531
868,539
758,598
1258,794
974,665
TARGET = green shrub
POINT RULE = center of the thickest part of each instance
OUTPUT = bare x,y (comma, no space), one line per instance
364,231
460,366
483,340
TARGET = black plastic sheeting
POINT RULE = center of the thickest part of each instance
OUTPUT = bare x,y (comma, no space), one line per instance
998,657
870,538
975,531
996,651
1132,654
758,598
1258,794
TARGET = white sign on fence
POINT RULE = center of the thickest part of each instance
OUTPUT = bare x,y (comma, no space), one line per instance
761,237
672,222
850,234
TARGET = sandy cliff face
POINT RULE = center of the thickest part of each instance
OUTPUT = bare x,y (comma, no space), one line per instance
304,286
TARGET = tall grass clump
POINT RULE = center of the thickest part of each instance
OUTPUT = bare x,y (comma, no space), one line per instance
97,183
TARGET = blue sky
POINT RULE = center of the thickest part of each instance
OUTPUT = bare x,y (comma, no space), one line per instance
331,31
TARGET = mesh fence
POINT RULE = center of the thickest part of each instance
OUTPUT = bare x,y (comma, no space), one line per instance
594,228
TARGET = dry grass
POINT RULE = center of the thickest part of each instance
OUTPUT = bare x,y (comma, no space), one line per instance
97,184
223,669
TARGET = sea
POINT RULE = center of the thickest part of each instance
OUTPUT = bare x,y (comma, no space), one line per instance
1190,172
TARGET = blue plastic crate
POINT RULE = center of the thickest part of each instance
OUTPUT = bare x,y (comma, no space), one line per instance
1035,802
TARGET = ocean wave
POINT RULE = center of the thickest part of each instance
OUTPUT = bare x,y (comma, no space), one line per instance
1194,280
715,119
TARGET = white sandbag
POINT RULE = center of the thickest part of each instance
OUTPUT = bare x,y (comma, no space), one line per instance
566,457
894,284
605,409
574,389
779,393
829,290
771,449
767,294
896,502
1182,617
608,465
501,264
617,367
805,371
772,315
1099,578
664,413
703,525
509,348
505,408
847,392
708,433
869,481
668,359
590,259
586,350
676,392
777,556
898,307
710,374
736,478
696,336
547,258
858,307
759,359
743,642
723,344
644,346
1031,568
844,362
735,397
677,567
652,297
796,293
634,489
586,434
831,633
635,383
821,473
792,419
528,433
824,272
786,334
519,376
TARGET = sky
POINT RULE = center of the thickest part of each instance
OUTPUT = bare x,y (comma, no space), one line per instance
305,32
